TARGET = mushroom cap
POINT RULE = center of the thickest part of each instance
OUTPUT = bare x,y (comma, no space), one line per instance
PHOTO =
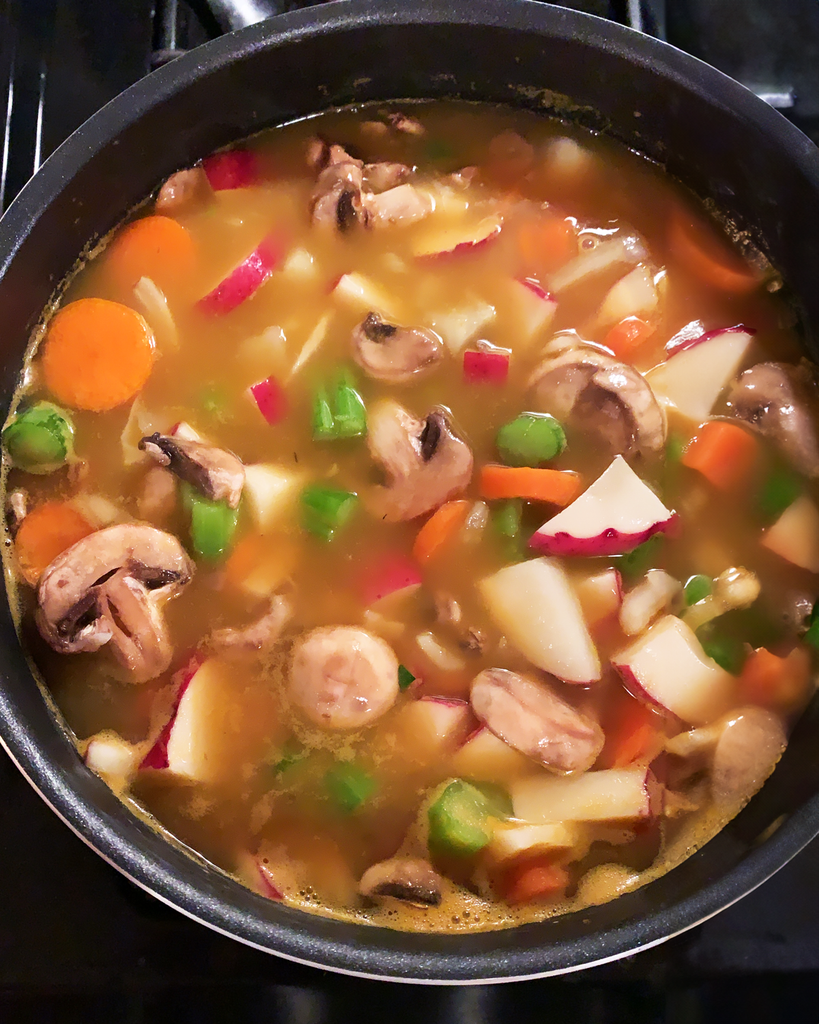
601,395
394,354
216,472
409,879
425,460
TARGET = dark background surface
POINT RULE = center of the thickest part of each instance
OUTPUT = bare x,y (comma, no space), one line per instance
79,942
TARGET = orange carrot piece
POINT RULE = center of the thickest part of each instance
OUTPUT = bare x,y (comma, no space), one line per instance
724,453
157,247
97,354
547,243
552,485
703,254
534,879
46,532
780,684
244,558
439,529
635,735
625,338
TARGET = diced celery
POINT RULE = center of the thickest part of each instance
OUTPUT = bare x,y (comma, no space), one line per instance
326,509
405,677
215,402
643,557
698,588
349,786
530,439
459,820
324,426
779,490
212,523
727,651
40,439
349,413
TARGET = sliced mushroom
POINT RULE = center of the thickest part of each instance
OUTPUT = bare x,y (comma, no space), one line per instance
337,200
530,717
385,175
110,589
776,399
343,677
321,154
408,879
602,396
403,123
427,463
259,636
217,473
749,746
392,353
157,496
404,204
16,509
182,191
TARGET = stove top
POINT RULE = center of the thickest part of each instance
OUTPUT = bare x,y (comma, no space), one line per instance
77,941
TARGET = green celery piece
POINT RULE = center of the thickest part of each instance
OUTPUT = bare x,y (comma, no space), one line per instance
507,516
349,786
498,801
530,439
727,651
326,509
212,523
323,421
458,820
291,755
779,490
405,677
349,412
674,448
40,439
643,557
215,402
698,588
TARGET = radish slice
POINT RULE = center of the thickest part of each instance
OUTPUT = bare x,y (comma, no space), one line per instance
460,325
459,240
698,369
655,593
684,340
271,400
668,667
270,492
615,794
440,656
533,306
244,280
600,595
616,514
257,876
395,573
535,606
484,367
427,730
514,840
157,756
633,295
486,758
235,168
795,535
610,253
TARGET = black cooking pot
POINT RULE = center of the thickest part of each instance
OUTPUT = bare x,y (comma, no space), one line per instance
710,132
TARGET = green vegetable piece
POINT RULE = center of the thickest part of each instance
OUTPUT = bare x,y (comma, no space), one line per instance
405,677
324,425
349,412
212,523
727,651
643,557
291,755
780,489
507,517
215,402
530,439
458,820
349,786
498,801
326,509
674,448
40,439
812,635
698,588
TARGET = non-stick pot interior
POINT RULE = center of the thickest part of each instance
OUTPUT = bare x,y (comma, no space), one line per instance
719,139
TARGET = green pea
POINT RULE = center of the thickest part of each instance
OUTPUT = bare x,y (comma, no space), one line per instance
530,439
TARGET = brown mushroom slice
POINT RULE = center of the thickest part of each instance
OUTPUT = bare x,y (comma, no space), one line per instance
343,677
530,717
337,201
747,751
182,190
217,473
425,460
385,175
409,879
776,399
405,124
258,636
320,155
404,204
109,588
602,396
394,354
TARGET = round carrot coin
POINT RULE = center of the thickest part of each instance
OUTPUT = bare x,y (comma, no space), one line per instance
97,354
46,532
157,247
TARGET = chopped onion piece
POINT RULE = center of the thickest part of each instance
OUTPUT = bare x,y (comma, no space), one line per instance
155,306
610,253
439,655
312,345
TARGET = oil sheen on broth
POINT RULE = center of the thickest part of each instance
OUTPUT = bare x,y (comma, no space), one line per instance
413,512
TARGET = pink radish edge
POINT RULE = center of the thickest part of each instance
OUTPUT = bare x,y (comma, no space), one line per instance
395,573
245,279
686,343
270,399
157,756
485,367
610,542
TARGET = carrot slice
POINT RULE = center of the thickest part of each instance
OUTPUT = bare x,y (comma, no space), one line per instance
534,879
724,453
244,558
97,355
547,243
625,338
157,247
552,485
635,735
773,682
46,532
439,529
707,257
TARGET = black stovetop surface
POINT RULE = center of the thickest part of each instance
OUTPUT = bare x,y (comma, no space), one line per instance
79,942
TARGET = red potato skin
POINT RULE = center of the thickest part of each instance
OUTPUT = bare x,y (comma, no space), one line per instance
393,574
268,888
485,367
538,289
686,343
610,542
466,248
157,756
271,400
237,168
245,279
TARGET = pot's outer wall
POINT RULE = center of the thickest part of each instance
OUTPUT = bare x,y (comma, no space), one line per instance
724,142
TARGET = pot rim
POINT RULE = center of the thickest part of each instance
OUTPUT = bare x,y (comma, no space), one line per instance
166,874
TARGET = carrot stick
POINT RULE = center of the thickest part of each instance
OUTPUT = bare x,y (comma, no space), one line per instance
773,682
244,558
97,354
439,529
625,338
550,485
157,247
706,256
46,532
724,453
547,243
635,735
534,879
